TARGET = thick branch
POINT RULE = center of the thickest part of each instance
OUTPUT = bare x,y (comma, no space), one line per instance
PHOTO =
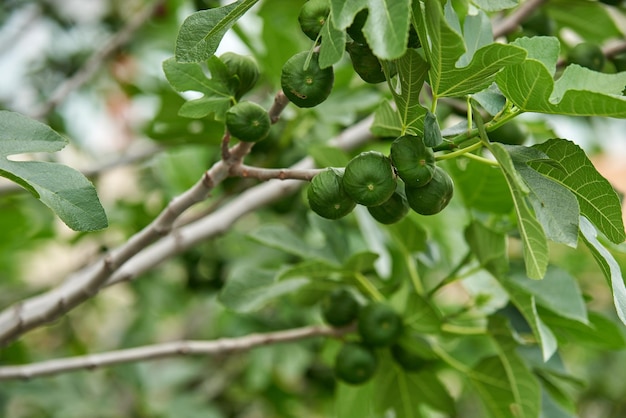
171,349
136,256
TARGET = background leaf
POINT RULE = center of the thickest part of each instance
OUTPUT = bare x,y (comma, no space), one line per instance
387,27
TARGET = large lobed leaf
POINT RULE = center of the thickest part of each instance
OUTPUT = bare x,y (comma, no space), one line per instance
201,33
452,71
596,197
64,190
579,91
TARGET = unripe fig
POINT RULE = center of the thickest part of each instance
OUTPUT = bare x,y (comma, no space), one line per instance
539,24
355,364
355,30
327,196
313,15
340,307
414,161
365,63
619,61
433,197
587,54
510,133
391,211
248,121
379,325
306,86
244,69
369,178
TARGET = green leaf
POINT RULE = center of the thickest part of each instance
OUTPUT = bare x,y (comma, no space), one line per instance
555,206
609,266
489,247
527,306
64,190
432,133
505,384
576,15
282,238
387,122
578,91
387,27
332,45
597,200
420,315
218,94
535,245
343,11
495,5
249,288
327,156
600,333
447,46
404,392
481,186
201,33
412,71
558,292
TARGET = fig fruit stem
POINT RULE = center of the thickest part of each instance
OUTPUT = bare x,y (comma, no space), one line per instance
411,265
368,286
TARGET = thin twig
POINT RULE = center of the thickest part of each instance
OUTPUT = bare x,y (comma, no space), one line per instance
94,63
511,22
170,349
264,174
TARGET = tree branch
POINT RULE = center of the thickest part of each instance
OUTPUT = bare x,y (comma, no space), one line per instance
171,349
94,63
264,174
84,284
512,21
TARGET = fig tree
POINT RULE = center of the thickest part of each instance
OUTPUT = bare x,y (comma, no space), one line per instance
433,197
327,196
355,364
369,178
379,325
414,161
306,84
248,121
244,69
312,16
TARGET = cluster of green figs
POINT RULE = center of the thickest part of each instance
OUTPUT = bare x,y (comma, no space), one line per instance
378,327
387,185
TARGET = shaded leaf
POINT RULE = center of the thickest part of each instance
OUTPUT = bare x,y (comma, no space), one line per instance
489,247
332,45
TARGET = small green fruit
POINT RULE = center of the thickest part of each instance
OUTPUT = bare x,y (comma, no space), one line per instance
245,70
306,87
340,307
313,15
433,197
587,54
619,61
539,24
355,364
327,196
407,358
414,161
365,63
379,325
355,30
391,211
509,133
369,178
248,121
